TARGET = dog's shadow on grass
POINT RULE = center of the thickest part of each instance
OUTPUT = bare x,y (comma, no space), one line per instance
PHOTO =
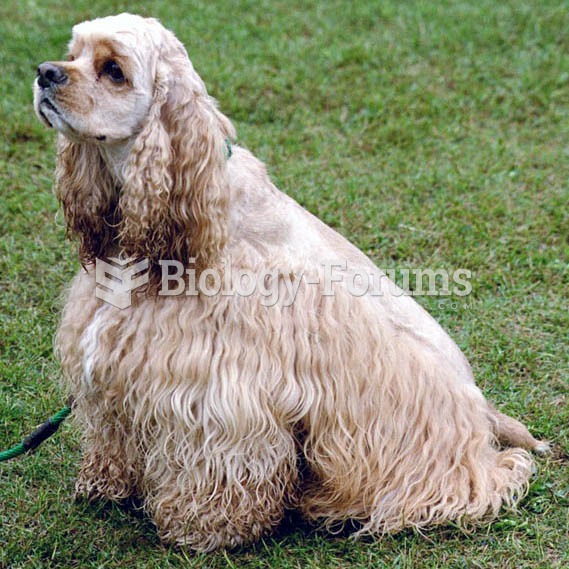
132,527
130,523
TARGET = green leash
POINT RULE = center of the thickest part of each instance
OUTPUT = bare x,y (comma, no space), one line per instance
35,439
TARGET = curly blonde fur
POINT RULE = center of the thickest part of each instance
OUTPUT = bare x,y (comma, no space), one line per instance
217,411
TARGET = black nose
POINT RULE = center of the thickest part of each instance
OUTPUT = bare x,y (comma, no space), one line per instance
50,74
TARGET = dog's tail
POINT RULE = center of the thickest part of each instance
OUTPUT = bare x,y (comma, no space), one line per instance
512,433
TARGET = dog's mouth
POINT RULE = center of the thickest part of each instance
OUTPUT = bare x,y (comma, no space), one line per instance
46,108
47,105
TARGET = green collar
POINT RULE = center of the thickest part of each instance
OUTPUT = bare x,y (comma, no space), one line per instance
228,149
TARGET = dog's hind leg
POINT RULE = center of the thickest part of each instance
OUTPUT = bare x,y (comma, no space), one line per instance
395,440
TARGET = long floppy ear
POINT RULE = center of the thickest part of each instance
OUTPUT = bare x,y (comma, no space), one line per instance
87,194
173,203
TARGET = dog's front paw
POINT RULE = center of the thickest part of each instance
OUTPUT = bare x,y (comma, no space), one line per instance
104,480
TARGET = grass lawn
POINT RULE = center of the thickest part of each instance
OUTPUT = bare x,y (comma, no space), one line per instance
431,134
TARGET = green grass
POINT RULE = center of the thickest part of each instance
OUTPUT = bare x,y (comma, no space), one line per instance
431,134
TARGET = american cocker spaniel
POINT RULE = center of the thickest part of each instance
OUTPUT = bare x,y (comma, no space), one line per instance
221,410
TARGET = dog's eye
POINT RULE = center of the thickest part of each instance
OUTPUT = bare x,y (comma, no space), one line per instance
112,69
70,57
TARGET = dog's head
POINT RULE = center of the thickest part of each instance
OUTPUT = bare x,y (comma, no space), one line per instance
104,90
129,90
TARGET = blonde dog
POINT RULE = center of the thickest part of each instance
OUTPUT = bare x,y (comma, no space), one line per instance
206,405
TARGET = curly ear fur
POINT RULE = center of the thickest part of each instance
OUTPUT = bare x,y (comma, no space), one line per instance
173,203
88,195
